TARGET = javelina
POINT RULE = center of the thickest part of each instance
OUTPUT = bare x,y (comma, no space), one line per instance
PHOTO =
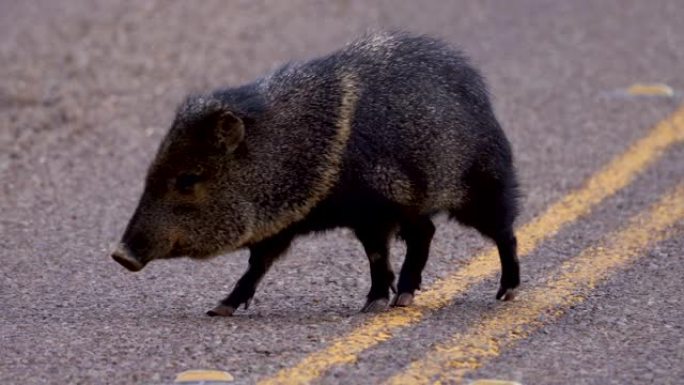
377,137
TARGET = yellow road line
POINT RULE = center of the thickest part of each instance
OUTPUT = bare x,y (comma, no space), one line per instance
611,178
466,351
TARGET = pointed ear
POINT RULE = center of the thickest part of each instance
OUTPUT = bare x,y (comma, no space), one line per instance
230,131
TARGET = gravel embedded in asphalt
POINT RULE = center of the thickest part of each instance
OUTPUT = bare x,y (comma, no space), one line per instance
89,88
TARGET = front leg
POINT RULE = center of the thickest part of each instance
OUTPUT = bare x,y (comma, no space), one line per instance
262,255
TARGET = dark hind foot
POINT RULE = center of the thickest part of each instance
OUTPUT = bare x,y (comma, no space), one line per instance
505,294
491,207
510,280
510,268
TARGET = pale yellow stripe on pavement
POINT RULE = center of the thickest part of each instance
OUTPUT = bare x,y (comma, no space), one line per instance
611,178
467,351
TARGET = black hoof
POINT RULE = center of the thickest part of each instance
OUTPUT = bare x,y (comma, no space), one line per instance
375,306
402,300
505,294
221,311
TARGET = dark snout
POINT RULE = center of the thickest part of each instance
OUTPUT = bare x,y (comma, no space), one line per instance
124,257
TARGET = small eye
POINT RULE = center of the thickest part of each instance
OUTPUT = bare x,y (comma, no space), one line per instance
186,182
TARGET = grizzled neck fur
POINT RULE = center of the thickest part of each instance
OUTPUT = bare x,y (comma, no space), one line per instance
297,126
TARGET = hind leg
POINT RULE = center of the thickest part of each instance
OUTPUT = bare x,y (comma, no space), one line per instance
510,268
506,244
417,234
491,209
375,242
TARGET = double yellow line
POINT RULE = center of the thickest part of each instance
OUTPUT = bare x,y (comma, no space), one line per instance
611,178
466,351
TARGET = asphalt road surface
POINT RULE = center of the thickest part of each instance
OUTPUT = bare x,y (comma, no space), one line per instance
88,88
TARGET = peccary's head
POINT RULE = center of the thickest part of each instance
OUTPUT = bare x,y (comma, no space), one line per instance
192,205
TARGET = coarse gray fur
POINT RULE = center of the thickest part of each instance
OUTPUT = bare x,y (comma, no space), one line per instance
377,137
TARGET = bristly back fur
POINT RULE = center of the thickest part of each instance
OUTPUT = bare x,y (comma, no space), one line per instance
378,137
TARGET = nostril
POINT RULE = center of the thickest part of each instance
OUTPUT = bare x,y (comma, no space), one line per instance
126,260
